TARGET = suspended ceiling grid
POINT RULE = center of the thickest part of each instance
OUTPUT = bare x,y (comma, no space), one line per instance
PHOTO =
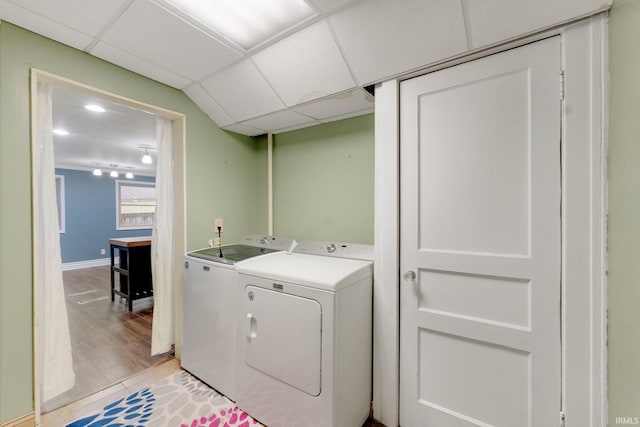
312,74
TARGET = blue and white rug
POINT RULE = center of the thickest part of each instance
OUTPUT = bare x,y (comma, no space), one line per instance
179,400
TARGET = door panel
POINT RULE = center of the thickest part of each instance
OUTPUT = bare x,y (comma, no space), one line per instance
466,380
480,226
487,299
484,164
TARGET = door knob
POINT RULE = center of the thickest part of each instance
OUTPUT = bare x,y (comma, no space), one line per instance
410,275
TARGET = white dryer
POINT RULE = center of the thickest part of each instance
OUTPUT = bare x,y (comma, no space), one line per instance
304,336
210,308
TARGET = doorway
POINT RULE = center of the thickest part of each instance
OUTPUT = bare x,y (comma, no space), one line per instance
583,118
177,151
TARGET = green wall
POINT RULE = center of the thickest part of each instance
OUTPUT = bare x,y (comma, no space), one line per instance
221,180
624,211
323,178
324,181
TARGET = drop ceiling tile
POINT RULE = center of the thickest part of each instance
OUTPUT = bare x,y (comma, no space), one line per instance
242,91
245,130
152,33
87,16
306,65
138,65
491,21
329,5
292,128
279,120
208,105
348,115
43,26
382,38
338,105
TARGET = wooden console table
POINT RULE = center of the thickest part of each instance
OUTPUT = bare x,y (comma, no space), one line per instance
134,268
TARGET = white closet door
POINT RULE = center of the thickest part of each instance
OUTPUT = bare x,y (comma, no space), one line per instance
480,242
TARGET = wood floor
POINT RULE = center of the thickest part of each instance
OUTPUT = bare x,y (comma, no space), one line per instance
108,342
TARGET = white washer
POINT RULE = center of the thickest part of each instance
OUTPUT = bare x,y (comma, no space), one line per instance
304,336
210,308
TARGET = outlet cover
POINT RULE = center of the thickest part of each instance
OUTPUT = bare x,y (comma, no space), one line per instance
103,251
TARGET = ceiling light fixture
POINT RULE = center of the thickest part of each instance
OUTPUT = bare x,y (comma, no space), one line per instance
62,132
95,108
113,174
146,159
129,175
246,23
97,172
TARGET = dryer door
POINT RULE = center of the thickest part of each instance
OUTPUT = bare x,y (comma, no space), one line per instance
284,337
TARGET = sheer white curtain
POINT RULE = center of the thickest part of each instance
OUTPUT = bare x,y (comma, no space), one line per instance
162,268
56,364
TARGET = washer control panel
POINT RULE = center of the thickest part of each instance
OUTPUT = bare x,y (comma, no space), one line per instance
271,242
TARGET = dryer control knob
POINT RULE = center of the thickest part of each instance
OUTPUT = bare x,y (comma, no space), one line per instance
331,248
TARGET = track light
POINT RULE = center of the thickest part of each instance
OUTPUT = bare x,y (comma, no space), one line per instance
129,175
114,174
146,159
97,172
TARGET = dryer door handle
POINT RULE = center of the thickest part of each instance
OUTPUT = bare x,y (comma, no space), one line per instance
252,324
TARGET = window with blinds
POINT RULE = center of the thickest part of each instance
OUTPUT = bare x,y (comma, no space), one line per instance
135,205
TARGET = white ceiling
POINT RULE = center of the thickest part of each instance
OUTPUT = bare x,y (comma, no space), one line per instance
108,141
312,74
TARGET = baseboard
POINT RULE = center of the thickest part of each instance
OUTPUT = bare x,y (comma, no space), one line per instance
28,420
88,264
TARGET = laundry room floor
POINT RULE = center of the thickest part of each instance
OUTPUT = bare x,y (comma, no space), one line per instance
95,403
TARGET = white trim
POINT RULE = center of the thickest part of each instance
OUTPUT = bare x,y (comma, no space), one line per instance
584,228
37,229
386,315
77,265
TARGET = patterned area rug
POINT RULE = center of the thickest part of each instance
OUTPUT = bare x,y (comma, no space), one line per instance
179,400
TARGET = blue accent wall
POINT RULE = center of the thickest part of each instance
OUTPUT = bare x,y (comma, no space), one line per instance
90,210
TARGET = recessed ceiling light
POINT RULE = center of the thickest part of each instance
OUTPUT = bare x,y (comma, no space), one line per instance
60,131
95,108
247,23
